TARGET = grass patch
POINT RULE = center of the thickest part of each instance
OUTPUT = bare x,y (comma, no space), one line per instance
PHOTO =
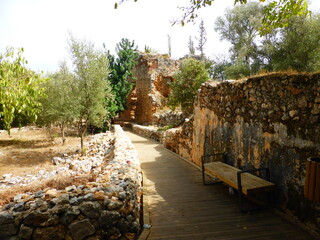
165,128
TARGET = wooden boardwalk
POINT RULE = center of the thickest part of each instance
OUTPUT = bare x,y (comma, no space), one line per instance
182,208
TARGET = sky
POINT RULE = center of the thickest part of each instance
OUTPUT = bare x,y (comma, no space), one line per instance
42,27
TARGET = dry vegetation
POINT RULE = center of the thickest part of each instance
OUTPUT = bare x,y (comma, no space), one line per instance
31,149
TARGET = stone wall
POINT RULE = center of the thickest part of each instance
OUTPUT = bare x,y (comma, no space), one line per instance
267,121
108,208
152,76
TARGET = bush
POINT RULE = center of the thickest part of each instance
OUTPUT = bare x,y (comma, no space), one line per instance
186,83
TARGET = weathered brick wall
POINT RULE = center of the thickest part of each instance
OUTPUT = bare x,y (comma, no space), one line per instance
268,121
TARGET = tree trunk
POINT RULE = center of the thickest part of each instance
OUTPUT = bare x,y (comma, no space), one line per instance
82,129
62,133
82,137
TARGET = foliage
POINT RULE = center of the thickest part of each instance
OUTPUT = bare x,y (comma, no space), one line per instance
293,47
276,14
165,128
298,48
61,104
148,49
121,72
187,81
240,26
20,88
219,66
91,72
202,38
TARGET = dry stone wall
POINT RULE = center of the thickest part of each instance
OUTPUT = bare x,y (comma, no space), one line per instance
267,121
108,208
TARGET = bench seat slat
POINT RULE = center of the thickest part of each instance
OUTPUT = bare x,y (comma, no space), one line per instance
251,184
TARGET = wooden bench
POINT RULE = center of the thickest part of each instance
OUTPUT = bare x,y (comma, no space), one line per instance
243,181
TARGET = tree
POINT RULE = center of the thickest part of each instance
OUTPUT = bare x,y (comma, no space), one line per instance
192,50
20,88
121,72
240,26
91,72
297,47
61,104
186,83
202,38
276,14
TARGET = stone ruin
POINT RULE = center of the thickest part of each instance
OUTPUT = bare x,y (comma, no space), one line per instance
152,76
107,208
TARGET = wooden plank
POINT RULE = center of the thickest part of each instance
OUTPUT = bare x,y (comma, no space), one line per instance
307,179
228,174
317,187
312,180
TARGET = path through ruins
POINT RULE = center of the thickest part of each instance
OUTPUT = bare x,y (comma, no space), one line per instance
182,208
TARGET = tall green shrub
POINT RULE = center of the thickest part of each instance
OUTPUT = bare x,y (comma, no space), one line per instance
186,83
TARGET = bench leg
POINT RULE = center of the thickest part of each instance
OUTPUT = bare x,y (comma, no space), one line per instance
240,197
204,176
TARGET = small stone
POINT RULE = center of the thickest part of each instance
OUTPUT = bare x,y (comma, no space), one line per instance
70,215
7,230
316,109
90,209
9,175
293,113
19,207
81,230
109,219
63,199
49,233
122,196
36,219
57,160
39,202
52,193
39,194
89,197
25,232
71,188
74,201
99,195
114,204
17,197
6,218
44,207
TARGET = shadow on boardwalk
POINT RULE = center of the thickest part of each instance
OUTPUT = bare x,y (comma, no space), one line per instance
181,207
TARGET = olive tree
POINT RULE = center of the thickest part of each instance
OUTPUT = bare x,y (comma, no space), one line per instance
91,69
61,104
